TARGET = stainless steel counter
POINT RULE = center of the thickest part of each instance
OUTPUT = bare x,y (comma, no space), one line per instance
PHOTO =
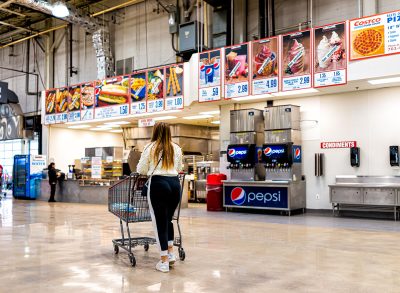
267,195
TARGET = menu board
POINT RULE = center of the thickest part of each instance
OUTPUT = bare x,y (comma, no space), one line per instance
265,61
296,61
74,103
237,71
112,97
210,76
87,100
330,64
174,93
138,90
50,106
62,105
155,90
375,36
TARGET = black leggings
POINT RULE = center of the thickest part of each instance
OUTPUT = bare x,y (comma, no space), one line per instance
165,194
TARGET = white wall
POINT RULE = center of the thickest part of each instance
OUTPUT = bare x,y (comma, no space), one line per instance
66,145
369,117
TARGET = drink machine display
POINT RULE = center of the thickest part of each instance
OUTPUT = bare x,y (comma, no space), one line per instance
355,157
282,161
394,155
242,159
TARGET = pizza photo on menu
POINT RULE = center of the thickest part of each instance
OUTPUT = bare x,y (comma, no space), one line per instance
368,42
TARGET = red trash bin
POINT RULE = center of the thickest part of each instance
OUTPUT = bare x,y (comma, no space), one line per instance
214,192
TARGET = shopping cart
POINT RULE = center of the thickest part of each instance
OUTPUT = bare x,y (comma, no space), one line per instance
125,201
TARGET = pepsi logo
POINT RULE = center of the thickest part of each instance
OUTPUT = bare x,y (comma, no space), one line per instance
216,65
267,151
202,67
209,71
297,153
238,196
231,152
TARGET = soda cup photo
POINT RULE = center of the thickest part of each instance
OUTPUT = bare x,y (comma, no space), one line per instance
209,72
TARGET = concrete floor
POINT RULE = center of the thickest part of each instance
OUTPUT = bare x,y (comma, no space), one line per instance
67,248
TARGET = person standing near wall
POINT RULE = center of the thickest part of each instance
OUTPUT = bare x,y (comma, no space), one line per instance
162,161
52,181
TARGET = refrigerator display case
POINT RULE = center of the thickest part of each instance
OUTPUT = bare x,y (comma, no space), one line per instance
27,174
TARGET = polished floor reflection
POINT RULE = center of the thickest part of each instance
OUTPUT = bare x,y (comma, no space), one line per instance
67,248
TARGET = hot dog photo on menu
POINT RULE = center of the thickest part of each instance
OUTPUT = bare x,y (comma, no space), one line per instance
112,92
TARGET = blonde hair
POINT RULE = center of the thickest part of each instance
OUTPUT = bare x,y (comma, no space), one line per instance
163,145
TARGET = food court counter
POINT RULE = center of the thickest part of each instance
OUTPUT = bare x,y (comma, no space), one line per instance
88,191
267,195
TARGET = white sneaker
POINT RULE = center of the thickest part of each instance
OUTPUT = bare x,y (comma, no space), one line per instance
162,266
171,258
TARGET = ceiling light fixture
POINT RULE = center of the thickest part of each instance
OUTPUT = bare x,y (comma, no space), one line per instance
164,118
216,122
60,10
197,117
384,80
295,92
79,126
116,131
209,112
101,128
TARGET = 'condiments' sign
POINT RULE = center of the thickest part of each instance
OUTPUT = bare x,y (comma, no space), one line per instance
338,144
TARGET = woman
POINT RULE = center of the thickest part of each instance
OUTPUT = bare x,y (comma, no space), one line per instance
162,161
52,181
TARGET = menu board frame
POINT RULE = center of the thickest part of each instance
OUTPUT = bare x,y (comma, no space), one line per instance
278,66
343,71
111,110
211,89
89,109
240,87
144,101
177,85
311,61
148,101
71,114
50,116
350,33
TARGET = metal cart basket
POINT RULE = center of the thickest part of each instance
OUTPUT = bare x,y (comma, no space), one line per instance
125,201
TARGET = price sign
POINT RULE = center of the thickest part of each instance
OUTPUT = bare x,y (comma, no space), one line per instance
74,116
265,86
174,92
296,83
155,105
330,78
50,119
61,118
114,111
174,103
237,90
210,94
138,108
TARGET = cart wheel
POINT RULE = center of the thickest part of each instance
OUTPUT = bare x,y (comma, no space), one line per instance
116,249
146,247
132,259
182,254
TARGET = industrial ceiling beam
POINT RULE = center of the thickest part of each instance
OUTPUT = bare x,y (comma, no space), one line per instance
12,12
7,3
123,5
18,27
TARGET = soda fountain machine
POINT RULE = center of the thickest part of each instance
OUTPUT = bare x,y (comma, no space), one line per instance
244,150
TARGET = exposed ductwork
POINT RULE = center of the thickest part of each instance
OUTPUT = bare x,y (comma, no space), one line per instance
100,33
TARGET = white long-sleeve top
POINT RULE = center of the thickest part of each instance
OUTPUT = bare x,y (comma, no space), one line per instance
146,163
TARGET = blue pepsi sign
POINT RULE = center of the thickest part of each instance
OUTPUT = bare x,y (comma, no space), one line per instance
256,196
241,153
296,154
277,153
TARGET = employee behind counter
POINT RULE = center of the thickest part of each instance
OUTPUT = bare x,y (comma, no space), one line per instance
54,176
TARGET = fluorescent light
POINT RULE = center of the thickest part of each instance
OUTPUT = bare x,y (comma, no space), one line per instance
117,123
384,80
249,98
197,117
116,131
209,112
295,92
101,128
79,126
164,118
59,9
216,122
109,125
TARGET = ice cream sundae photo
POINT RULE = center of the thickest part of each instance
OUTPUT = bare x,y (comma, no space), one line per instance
265,60
329,53
296,58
